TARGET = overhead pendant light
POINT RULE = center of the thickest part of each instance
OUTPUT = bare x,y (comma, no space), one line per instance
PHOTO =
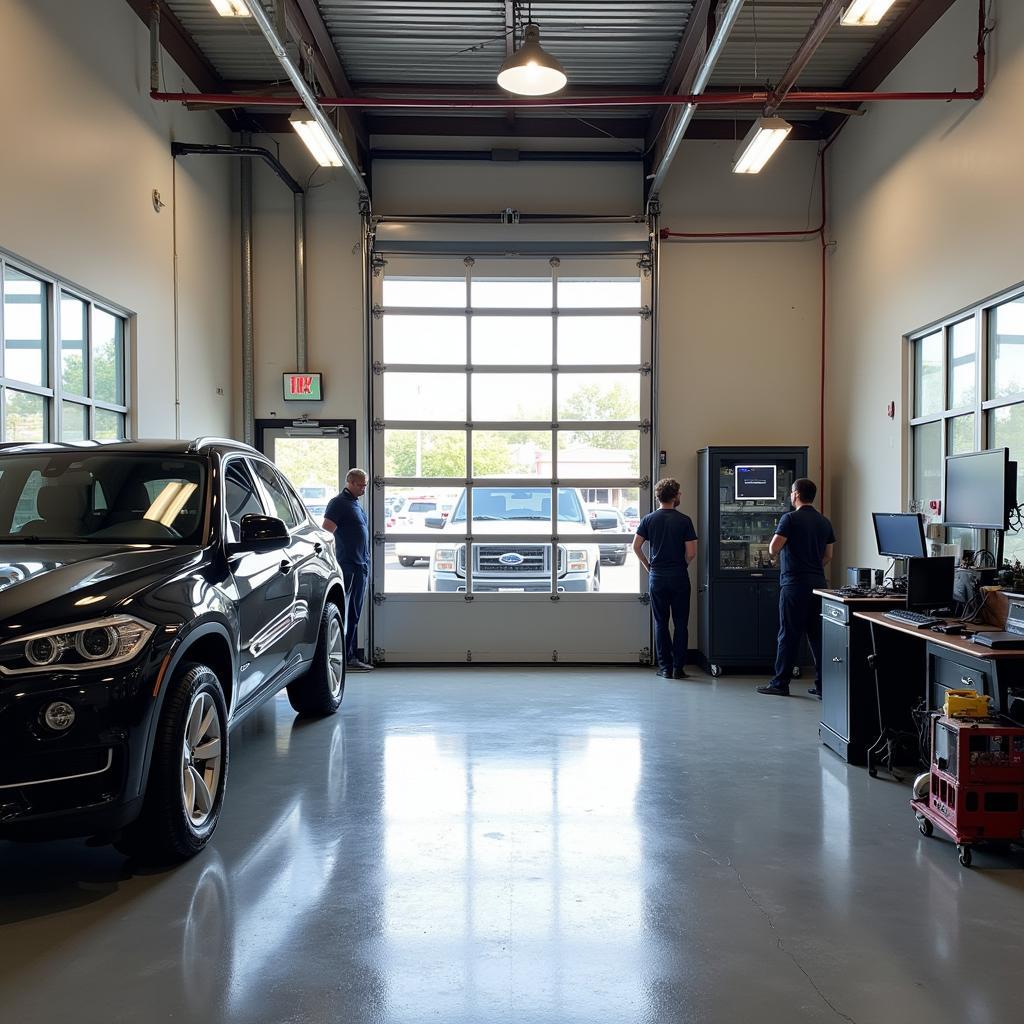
765,136
531,70
232,8
865,12
314,137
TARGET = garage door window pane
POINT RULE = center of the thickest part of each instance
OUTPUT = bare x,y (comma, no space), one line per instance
25,328
1006,349
600,454
512,339
961,435
962,363
513,293
511,396
425,396
599,396
927,461
24,417
595,293
426,292
75,422
109,425
512,453
108,357
425,453
424,339
598,339
73,313
928,375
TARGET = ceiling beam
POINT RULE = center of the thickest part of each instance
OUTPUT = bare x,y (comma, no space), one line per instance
826,20
626,128
885,56
510,43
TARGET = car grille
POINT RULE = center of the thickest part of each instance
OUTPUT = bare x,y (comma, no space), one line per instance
536,560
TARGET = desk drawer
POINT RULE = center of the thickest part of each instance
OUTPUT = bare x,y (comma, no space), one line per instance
957,675
834,611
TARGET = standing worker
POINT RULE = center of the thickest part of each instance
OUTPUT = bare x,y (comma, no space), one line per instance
803,541
672,543
345,518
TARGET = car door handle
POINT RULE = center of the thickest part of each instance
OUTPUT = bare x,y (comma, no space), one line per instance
285,566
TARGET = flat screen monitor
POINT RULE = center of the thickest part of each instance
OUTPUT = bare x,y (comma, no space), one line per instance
980,489
755,483
899,534
930,582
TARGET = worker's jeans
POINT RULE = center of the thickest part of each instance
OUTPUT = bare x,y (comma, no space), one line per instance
670,596
799,616
355,587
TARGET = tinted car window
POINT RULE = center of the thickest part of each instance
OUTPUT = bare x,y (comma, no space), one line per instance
278,491
240,495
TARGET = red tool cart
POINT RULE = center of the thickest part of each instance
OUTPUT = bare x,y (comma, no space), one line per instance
976,784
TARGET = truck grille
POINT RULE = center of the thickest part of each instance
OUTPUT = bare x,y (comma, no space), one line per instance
536,560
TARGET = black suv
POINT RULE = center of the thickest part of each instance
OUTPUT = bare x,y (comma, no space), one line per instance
152,593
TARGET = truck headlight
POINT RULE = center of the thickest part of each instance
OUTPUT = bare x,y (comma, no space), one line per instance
95,644
445,559
577,560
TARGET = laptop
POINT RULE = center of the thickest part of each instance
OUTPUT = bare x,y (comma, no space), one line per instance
1009,638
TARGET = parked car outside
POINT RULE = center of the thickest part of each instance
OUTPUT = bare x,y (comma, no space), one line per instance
632,516
153,595
607,519
420,514
517,568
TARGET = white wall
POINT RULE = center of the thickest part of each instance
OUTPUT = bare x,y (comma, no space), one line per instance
927,214
84,147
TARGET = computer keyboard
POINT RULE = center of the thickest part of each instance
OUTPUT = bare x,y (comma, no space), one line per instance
917,619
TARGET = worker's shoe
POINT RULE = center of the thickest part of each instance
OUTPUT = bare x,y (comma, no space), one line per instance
773,691
355,665
665,673
814,691
679,673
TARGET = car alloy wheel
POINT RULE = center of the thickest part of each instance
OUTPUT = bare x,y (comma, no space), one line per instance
336,656
201,760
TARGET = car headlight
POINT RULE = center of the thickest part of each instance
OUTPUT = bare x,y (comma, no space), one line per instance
445,559
95,644
577,560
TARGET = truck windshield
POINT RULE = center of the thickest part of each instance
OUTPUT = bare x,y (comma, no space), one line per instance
519,503
101,498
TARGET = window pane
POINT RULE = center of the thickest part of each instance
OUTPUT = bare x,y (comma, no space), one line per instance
424,339
511,293
927,441
961,435
25,328
599,396
75,422
73,313
512,453
606,454
1006,349
275,487
962,388
511,396
109,426
408,563
311,463
416,510
928,375
598,339
432,292
425,396
107,357
512,339
425,453
1006,429
583,293
25,417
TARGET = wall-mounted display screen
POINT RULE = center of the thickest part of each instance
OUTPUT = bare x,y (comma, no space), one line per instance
755,483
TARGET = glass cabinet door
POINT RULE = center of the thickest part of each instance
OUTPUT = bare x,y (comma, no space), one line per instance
752,496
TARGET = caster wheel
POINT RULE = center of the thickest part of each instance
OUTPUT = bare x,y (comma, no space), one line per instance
797,671
965,855
716,671
924,825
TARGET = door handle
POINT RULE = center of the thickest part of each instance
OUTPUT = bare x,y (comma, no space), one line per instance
285,566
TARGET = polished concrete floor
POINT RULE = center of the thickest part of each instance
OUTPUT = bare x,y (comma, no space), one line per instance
557,845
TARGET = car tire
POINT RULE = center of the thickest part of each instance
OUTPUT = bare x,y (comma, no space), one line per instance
406,561
320,690
185,792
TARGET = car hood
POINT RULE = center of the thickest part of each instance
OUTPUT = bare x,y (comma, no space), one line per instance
525,526
60,576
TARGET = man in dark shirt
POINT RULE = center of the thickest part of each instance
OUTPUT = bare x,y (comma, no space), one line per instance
803,541
345,518
672,544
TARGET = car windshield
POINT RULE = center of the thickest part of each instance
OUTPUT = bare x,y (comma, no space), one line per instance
520,503
101,498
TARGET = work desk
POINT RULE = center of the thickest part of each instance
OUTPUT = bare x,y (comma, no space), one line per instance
953,643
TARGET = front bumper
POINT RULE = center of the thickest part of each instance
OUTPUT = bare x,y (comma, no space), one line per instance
449,583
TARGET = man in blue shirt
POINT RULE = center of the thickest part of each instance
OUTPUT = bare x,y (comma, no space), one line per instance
672,544
345,518
803,541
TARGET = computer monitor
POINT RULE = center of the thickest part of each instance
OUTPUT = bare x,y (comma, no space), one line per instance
755,483
981,489
929,582
899,534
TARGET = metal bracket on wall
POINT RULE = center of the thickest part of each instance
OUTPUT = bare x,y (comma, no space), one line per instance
378,311
469,262
378,655
646,264
645,369
378,426
645,426
378,482
468,597
644,482
554,655
554,262
645,312
509,216
378,597
377,264
469,656
378,368
379,538
645,656
555,597
644,598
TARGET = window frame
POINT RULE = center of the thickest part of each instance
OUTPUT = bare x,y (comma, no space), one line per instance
54,395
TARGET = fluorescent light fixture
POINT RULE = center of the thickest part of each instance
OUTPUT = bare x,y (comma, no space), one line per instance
865,12
315,138
531,70
765,136
231,8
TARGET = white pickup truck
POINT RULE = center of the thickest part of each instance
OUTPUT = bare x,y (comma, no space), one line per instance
523,567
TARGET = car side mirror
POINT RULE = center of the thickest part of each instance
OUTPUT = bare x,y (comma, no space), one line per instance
261,533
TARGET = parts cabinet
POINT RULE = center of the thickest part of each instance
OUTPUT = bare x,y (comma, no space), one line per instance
742,493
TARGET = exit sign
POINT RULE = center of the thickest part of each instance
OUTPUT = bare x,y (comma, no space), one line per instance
303,387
